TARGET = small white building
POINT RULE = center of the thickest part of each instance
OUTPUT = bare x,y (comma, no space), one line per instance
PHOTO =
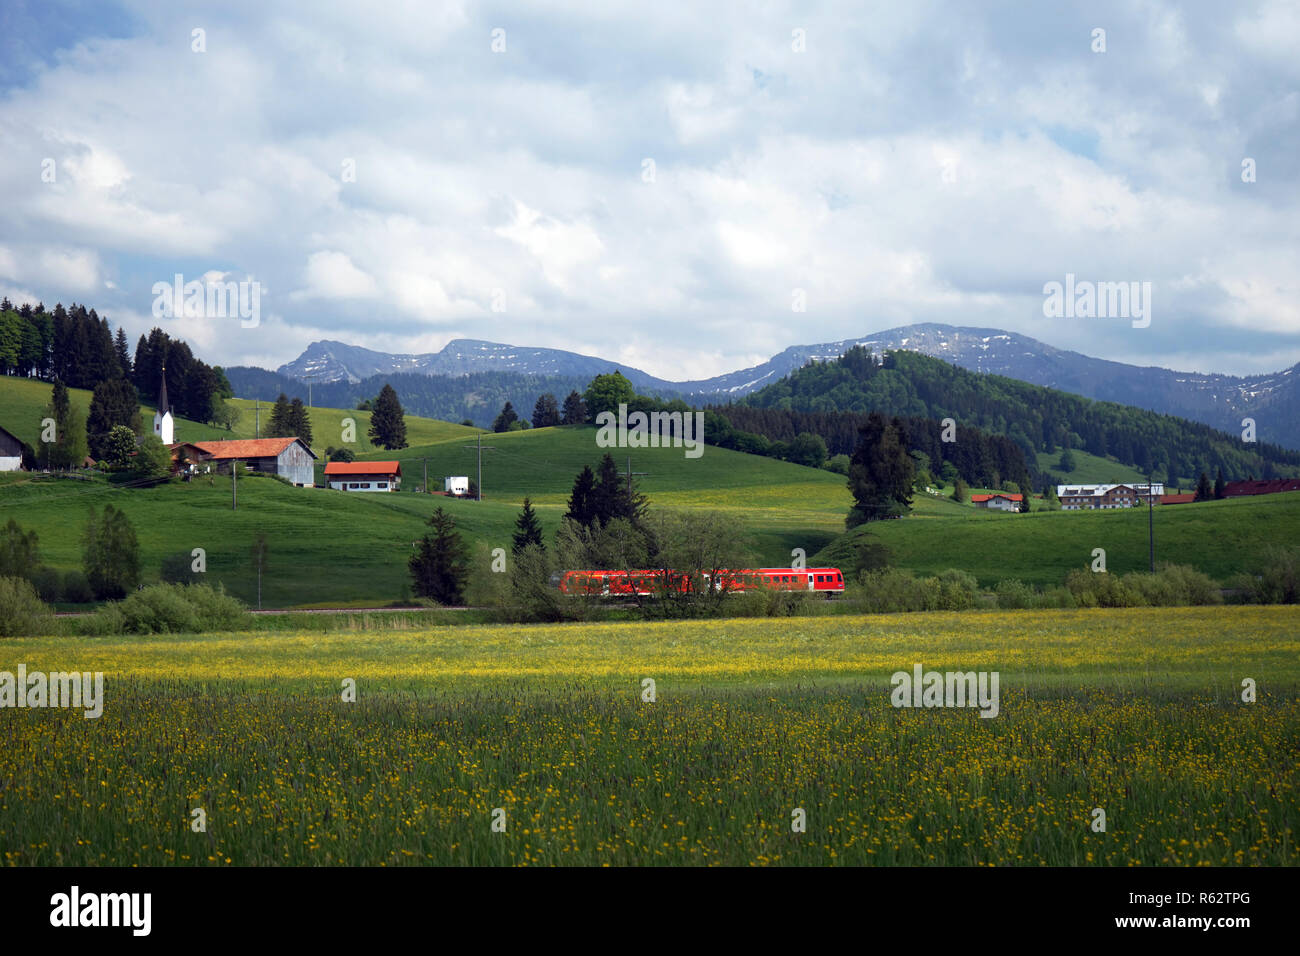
364,475
456,485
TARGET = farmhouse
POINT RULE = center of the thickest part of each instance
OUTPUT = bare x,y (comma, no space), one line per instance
997,502
289,458
363,475
11,452
1106,497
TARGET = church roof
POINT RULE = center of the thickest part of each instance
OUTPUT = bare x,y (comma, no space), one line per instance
163,409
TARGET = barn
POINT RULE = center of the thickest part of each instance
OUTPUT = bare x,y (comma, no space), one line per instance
11,452
364,475
289,458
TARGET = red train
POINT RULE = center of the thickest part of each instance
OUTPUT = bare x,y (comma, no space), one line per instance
827,581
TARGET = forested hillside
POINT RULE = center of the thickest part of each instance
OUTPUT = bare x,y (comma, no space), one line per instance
1036,419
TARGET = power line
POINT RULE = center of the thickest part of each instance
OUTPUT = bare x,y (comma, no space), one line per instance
479,446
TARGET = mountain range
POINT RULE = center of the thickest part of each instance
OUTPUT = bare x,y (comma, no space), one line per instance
1221,401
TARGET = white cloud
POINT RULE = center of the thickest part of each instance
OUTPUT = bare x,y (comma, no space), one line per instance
520,173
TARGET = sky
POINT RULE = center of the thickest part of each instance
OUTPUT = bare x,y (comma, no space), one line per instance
685,188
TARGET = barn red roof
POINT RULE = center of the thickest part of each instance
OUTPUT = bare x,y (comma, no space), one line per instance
1235,489
363,468
1182,499
1000,494
246,447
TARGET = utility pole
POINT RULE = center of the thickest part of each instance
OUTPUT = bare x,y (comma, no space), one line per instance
630,473
257,418
479,446
234,477
1151,523
426,475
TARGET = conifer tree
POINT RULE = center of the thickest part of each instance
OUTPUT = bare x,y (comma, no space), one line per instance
528,530
438,568
388,421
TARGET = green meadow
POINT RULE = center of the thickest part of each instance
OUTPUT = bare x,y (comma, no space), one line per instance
761,742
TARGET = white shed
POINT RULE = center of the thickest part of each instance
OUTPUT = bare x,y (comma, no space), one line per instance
456,485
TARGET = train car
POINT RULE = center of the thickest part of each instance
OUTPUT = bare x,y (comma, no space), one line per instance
827,581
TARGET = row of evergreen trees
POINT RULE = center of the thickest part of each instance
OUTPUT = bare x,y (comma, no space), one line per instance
77,347
547,413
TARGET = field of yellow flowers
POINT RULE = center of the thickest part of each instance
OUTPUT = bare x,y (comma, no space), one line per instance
759,742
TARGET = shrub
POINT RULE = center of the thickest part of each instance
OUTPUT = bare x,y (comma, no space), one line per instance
169,609
891,591
1014,593
76,589
22,612
952,590
1275,578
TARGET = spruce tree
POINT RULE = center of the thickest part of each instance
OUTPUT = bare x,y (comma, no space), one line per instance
528,530
279,425
299,422
438,568
388,421
504,420
123,353
575,410
881,471
1204,490
1219,485
546,412
581,503
612,498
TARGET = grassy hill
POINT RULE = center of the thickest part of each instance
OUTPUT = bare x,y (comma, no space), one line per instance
23,401
331,548
1217,537
1091,468
327,427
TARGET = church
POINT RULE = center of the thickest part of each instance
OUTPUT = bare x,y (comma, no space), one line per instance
163,423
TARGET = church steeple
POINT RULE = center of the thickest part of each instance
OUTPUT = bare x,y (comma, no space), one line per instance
162,394
163,422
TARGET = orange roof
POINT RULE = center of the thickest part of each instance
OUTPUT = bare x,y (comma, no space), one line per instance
245,447
1178,499
1000,494
363,468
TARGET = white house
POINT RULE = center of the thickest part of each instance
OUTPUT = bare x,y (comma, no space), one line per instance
11,452
457,485
363,475
1001,501
163,424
